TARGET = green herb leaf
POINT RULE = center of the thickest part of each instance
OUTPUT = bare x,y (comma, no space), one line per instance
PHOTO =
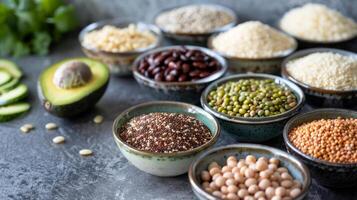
49,6
41,43
21,49
64,18
7,41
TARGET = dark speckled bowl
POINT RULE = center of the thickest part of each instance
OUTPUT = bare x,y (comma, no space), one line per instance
297,169
258,129
326,173
189,91
164,164
318,96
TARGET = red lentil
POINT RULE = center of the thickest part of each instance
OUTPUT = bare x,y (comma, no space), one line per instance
333,140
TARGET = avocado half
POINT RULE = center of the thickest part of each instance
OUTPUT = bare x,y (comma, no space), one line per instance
70,102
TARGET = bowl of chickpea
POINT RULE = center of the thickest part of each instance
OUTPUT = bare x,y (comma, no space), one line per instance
248,171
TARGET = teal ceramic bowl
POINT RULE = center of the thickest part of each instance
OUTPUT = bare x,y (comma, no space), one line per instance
164,164
326,173
254,129
297,169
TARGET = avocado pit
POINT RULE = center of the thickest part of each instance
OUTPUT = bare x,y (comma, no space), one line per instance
72,74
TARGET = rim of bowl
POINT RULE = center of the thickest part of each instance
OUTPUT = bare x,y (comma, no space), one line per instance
216,30
278,56
213,140
119,23
287,142
302,53
313,41
254,120
274,151
216,75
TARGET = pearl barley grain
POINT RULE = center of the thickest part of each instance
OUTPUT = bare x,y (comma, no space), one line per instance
58,140
98,119
51,126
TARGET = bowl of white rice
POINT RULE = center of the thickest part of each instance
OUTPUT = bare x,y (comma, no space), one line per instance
253,47
318,24
327,76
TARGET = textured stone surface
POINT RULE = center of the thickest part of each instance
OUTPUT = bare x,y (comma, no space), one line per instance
32,167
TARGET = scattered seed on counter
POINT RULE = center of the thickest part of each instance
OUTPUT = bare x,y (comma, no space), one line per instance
58,139
98,119
165,132
252,98
26,128
51,126
85,152
250,178
178,65
333,140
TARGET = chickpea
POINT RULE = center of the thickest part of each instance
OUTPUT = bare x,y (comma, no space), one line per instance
286,183
280,191
269,192
213,164
276,198
228,175
259,194
297,184
275,176
295,192
286,175
287,198
226,169
242,170
250,181
264,184
205,176
282,169
250,159
213,186
216,176
274,161
242,186
232,189
235,170
243,193
208,189
272,166
249,173
205,184
232,158
239,178
231,163
224,189
241,163
261,198
231,181
220,181
266,173
253,189
275,184
263,159
261,165
248,198
217,194
232,196
214,170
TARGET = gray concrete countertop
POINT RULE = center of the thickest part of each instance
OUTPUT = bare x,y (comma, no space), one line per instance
32,167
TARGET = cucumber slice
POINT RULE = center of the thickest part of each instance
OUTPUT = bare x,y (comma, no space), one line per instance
14,95
4,77
14,110
11,68
9,85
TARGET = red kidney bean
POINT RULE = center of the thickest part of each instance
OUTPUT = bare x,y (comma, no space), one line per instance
178,65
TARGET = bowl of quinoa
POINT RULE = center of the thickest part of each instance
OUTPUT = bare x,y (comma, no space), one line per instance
118,42
253,47
195,22
327,76
163,137
326,141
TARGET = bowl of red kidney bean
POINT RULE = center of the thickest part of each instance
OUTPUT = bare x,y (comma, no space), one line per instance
178,72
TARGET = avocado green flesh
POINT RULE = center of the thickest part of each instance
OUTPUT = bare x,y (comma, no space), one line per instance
11,111
11,68
4,77
9,85
14,95
57,96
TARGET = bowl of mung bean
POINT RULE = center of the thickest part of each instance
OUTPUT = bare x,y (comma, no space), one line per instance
195,22
163,137
253,107
117,42
327,76
326,141
248,171
178,73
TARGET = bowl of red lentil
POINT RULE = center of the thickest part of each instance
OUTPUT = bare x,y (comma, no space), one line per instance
248,171
326,141
163,137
